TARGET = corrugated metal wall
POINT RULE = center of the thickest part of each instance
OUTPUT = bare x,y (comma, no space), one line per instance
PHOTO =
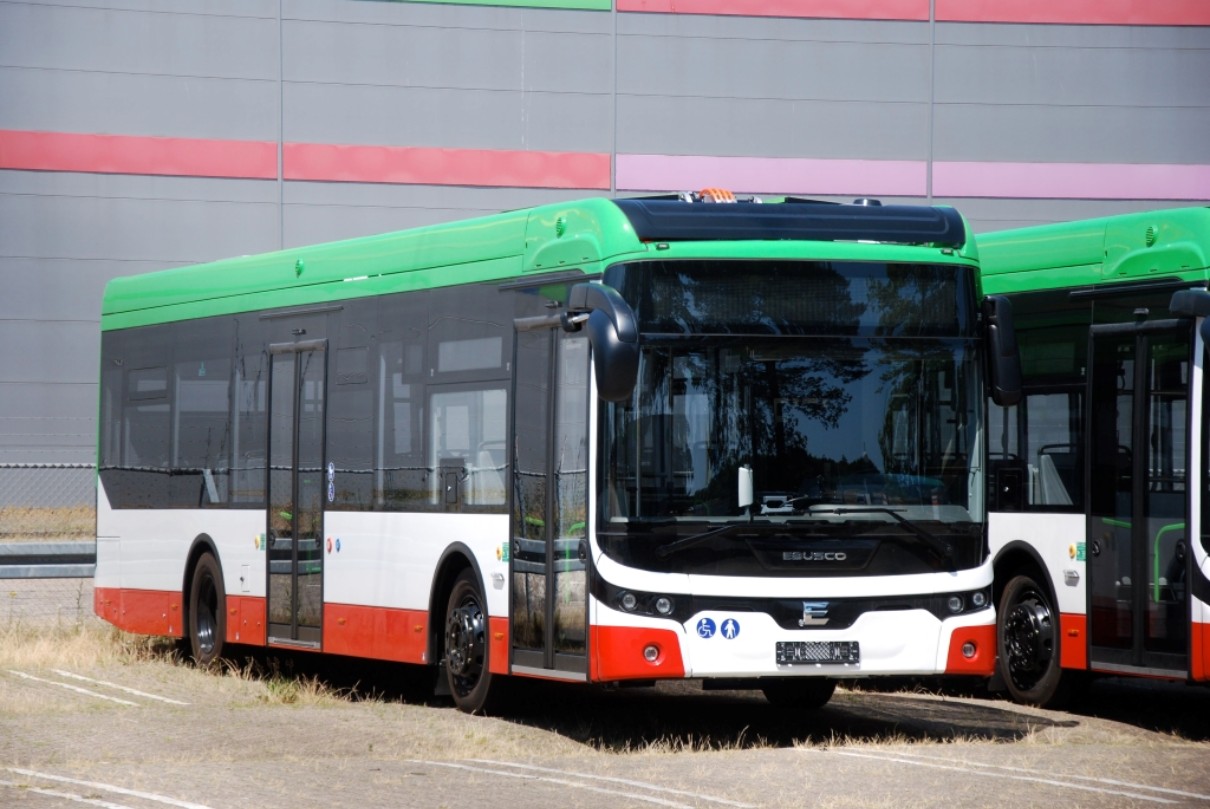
136,135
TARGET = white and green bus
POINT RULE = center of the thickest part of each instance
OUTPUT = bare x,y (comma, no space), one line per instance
1098,517
601,441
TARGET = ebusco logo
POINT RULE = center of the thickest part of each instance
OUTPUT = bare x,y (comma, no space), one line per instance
814,556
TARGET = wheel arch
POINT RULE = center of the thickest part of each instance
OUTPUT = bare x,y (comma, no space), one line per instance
454,559
202,544
1016,558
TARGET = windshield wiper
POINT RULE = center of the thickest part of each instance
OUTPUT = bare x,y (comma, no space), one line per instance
665,551
929,540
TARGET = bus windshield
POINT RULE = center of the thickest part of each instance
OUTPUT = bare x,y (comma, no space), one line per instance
849,391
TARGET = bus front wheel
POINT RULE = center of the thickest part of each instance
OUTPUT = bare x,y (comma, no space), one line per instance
466,652
1027,643
207,611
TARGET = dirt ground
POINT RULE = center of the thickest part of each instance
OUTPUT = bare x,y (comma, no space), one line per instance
147,730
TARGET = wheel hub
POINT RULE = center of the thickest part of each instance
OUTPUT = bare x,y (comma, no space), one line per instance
1028,639
464,644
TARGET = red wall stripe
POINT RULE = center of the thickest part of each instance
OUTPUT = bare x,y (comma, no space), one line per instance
1077,12
126,154
1066,12
823,9
430,166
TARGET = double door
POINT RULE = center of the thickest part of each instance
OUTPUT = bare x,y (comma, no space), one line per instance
297,485
1139,472
549,551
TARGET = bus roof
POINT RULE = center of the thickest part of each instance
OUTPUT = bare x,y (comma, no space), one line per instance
1167,244
582,235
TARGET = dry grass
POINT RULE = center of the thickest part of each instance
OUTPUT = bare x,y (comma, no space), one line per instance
40,524
85,645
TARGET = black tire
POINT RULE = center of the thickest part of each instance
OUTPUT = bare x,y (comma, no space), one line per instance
1028,643
466,647
207,612
799,693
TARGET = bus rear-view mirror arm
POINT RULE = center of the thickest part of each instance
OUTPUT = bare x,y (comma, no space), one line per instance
613,333
1004,359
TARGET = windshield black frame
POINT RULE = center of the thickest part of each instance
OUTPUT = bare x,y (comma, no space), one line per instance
857,412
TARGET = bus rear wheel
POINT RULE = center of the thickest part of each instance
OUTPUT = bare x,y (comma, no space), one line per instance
799,693
207,611
1027,644
466,652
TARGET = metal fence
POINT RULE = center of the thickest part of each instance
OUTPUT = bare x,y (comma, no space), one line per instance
47,501
47,544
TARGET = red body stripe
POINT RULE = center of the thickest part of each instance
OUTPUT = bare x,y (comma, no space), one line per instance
246,620
1199,652
145,612
983,663
376,632
617,654
1073,644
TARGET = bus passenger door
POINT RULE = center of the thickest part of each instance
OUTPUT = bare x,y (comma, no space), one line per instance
549,554
297,388
1138,609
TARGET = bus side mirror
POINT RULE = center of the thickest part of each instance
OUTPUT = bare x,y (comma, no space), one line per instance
614,336
1004,359
1193,303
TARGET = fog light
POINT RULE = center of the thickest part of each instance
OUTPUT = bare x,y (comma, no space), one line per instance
663,605
979,598
629,601
651,653
969,649
955,604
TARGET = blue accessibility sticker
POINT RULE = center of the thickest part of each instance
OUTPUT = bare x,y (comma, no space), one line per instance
730,629
705,628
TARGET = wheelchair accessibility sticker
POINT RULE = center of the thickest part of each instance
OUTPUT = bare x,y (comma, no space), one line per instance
706,628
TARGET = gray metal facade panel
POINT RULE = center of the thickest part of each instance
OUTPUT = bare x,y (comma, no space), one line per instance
317,212
133,104
889,130
447,57
166,232
987,215
1057,134
1075,75
1084,94
48,351
772,88
58,289
49,422
176,41
466,119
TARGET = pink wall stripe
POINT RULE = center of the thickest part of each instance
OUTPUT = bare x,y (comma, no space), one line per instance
1072,181
126,154
1076,12
825,9
772,175
428,166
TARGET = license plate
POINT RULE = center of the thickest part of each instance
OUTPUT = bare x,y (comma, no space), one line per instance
822,652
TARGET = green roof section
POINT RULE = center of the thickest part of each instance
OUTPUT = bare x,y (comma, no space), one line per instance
489,248
585,236
1164,244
